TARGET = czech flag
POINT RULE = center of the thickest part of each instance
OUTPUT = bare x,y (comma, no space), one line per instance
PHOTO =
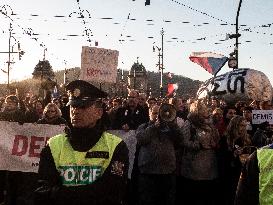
212,62
172,88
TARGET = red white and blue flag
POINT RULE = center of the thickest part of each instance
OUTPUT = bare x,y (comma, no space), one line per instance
172,88
212,62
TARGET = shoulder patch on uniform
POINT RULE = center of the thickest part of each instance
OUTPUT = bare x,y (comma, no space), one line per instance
117,168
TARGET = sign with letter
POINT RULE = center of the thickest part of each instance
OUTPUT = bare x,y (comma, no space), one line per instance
260,116
239,84
99,64
21,145
79,175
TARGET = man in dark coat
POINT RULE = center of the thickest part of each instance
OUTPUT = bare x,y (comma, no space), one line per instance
132,115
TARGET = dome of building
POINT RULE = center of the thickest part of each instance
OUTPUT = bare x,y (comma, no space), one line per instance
138,68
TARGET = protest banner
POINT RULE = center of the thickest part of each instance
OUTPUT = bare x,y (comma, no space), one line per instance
241,84
21,145
260,116
99,64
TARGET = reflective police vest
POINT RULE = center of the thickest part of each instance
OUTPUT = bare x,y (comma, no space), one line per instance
265,163
82,168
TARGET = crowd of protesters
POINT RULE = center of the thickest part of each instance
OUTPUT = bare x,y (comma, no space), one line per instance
197,160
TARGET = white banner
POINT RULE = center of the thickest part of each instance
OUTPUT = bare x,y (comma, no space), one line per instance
21,145
99,64
240,84
260,116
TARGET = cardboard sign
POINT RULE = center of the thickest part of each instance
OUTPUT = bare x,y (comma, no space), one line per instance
99,64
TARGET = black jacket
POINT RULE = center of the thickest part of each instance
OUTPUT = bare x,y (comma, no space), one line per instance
248,186
125,115
157,148
108,190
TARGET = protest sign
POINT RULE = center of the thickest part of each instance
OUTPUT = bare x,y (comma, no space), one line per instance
20,145
241,84
260,116
99,64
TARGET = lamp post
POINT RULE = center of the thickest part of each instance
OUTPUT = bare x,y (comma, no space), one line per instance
134,79
162,65
122,82
10,51
160,61
232,61
237,34
65,72
235,54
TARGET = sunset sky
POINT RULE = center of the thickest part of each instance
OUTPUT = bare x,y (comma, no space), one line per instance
133,29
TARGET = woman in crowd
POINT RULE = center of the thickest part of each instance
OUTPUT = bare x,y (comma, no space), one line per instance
232,145
228,113
199,170
217,115
52,115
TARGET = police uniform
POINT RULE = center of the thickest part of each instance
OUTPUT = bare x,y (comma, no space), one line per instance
256,180
85,165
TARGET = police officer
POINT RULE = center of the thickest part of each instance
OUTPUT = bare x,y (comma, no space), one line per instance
87,165
256,180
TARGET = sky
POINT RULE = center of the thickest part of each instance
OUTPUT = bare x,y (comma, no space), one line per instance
134,29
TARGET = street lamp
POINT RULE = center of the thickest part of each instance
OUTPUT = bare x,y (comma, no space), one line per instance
10,51
232,61
160,61
237,29
236,36
162,65
65,73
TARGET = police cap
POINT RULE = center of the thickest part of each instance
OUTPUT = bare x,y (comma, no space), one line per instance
82,93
